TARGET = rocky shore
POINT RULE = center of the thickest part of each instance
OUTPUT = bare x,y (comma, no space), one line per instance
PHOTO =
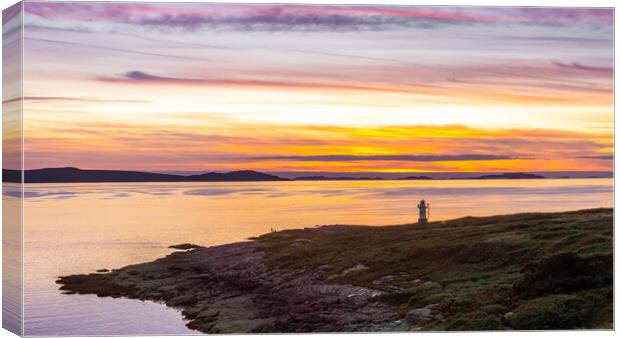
501,272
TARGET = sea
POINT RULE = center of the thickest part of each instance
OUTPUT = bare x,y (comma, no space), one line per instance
82,227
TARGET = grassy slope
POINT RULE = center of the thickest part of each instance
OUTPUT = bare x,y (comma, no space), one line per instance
523,271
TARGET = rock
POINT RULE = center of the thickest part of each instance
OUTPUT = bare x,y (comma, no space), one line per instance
383,280
418,317
103,270
208,315
166,288
183,300
230,289
393,326
191,312
325,267
385,317
356,267
185,246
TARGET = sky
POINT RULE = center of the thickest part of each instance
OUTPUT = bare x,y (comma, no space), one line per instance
275,88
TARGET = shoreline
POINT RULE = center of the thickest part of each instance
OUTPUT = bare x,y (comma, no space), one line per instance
392,278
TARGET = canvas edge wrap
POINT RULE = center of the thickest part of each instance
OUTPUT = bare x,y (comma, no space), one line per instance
12,178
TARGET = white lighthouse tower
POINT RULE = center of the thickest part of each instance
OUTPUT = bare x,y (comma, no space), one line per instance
425,209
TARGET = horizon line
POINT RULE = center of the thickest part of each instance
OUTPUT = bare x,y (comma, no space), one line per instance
160,171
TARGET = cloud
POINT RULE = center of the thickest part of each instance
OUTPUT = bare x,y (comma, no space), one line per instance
465,92
599,157
115,49
140,77
565,16
64,98
292,21
412,158
579,66
259,17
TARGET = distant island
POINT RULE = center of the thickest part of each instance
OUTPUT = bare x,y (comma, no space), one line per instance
327,178
77,175
416,178
507,176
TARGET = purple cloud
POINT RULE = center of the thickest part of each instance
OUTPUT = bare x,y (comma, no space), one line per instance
579,66
566,15
140,77
309,17
599,157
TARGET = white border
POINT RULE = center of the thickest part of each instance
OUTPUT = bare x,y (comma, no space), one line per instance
503,3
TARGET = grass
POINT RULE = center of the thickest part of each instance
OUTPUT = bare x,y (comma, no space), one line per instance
522,271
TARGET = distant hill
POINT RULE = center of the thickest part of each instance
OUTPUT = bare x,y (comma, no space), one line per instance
75,175
235,176
416,178
509,176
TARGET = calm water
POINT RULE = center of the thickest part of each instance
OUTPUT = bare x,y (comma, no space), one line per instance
78,228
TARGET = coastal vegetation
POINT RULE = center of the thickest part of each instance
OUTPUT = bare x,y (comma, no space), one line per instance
523,271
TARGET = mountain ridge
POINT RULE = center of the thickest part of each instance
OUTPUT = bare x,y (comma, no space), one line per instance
77,175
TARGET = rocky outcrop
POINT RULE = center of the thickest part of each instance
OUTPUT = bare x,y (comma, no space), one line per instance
230,289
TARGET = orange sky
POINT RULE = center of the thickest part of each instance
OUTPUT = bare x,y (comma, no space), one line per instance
355,89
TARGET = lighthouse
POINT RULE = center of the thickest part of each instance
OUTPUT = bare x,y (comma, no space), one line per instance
424,212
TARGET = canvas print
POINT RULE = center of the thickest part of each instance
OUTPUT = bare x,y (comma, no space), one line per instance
196,168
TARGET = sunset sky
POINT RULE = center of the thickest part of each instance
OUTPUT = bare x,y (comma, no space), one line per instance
317,88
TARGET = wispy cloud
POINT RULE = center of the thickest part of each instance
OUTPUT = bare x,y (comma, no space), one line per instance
67,99
579,66
114,49
140,77
599,157
456,88
565,15
413,158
